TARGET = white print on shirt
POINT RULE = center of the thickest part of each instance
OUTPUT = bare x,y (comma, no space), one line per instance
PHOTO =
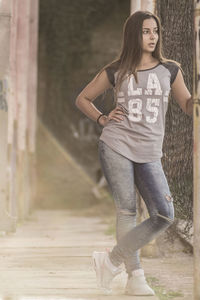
152,104
153,109
135,109
166,96
120,97
131,91
148,92
153,83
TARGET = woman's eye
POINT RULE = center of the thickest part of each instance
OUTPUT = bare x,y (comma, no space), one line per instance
147,31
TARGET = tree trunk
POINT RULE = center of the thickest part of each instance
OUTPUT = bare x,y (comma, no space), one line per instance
177,22
196,114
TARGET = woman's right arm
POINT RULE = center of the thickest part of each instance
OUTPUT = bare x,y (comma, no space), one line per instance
94,89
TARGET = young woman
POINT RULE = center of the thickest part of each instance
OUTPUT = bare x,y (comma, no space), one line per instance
130,146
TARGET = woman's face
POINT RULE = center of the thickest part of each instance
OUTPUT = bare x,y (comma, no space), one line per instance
149,35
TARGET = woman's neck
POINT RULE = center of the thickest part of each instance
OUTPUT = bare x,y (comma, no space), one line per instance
147,61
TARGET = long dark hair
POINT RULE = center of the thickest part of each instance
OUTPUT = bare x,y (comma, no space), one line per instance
131,51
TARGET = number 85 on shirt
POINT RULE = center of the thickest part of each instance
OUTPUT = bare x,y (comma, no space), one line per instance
135,110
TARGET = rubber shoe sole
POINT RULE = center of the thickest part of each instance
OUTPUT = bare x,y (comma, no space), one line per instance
98,260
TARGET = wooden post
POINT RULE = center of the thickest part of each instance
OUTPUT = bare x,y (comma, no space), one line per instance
7,222
196,160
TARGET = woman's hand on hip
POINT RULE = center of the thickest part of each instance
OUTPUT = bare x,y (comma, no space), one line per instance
115,114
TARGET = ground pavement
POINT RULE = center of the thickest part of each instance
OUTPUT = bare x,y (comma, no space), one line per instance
49,257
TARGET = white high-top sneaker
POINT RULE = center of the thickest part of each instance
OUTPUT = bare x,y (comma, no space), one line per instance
137,285
105,271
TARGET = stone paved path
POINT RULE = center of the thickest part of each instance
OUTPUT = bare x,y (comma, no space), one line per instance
49,257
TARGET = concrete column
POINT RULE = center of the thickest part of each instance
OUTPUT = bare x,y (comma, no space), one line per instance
12,110
23,15
32,84
135,5
148,5
13,72
22,106
7,222
142,5
32,108
27,48
23,65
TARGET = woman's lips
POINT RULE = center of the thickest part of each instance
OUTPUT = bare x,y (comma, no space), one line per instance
152,44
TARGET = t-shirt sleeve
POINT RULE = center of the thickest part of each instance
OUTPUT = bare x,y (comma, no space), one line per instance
110,70
173,70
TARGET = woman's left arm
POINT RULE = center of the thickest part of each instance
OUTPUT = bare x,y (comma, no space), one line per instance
181,94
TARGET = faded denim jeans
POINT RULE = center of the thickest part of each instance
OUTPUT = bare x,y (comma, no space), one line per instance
122,176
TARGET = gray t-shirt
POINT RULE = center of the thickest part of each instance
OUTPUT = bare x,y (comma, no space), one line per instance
139,136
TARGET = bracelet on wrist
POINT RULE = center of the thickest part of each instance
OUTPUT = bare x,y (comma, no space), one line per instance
99,118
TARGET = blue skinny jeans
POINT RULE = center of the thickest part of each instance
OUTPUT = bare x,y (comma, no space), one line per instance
122,176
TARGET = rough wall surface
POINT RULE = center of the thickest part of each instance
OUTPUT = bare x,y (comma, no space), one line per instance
77,38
